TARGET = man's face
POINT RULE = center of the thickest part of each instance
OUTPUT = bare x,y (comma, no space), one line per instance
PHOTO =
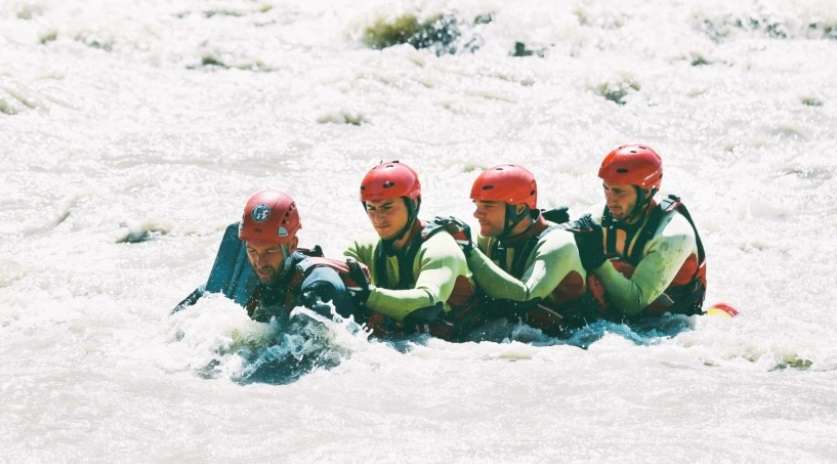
388,217
266,259
620,199
491,216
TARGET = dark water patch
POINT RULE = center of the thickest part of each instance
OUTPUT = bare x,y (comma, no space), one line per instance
787,132
646,331
827,31
8,108
617,91
224,12
812,101
47,37
443,34
521,50
699,60
793,362
215,62
342,117
212,61
14,100
720,28
484,18
814,173
95,41
229,13
142,234
471,167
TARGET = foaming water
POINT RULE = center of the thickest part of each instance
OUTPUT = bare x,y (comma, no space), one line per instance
131,134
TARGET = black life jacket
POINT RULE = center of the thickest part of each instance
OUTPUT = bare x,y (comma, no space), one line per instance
548,315
525,243
627,243
461,300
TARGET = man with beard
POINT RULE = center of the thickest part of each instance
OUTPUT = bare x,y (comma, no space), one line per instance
643,256
280,275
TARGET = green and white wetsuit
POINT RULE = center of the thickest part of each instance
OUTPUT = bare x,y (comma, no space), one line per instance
423,274
656,265
541,264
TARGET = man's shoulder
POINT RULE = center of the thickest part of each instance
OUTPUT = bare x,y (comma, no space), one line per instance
441,240
441,246
674,223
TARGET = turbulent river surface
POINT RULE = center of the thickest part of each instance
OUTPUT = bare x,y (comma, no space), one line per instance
131,132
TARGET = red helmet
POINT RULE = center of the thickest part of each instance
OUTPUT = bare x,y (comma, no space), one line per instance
637,165
390,179
269,217
508,183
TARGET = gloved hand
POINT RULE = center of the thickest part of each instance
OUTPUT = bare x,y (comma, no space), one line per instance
460,231
360,276
426,315
316,298
588,238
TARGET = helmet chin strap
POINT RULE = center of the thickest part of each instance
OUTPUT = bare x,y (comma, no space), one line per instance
412,215
513,218
642,202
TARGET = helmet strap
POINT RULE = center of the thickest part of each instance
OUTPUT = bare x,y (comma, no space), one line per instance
412,214
513,218
642,202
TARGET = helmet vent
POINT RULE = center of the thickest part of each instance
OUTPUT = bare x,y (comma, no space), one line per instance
389,184
487,187
622,170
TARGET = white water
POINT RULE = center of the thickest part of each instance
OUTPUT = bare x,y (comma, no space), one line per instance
112,127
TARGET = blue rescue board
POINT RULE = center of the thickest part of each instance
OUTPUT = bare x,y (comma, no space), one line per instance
231,273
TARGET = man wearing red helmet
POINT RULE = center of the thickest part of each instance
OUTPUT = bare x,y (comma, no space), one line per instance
280,276
643,257
419,277
530,266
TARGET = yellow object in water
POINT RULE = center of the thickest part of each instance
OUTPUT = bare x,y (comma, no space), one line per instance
721,310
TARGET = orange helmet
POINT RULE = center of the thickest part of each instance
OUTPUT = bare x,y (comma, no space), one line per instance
637,165
507,183
269,217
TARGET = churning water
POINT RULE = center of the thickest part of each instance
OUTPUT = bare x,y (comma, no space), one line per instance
131,132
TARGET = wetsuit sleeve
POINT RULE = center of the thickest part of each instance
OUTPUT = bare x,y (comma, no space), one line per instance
438,264
555,256
664,256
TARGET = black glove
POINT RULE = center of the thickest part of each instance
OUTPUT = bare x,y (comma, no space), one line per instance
460,231
557,215
588,238
360,276
426,315
316,298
